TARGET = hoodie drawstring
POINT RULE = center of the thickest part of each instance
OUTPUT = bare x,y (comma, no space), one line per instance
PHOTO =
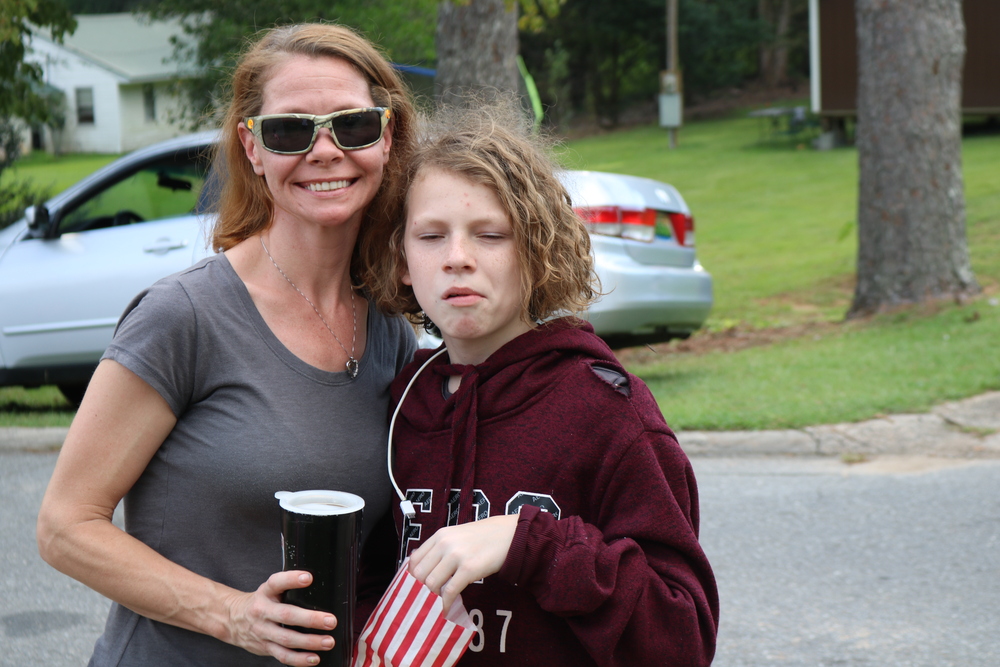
405,505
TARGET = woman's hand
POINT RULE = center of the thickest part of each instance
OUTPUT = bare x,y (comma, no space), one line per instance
456,556
256,621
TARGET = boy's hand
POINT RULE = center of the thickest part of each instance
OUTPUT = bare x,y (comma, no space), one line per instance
456,556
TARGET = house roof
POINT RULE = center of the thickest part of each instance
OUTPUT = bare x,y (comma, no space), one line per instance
135,49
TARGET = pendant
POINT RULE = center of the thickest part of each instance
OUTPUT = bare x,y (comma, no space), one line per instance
352,367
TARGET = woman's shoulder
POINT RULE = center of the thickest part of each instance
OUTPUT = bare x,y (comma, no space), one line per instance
396,324
179,295
201,276
394,329
208,273
391,339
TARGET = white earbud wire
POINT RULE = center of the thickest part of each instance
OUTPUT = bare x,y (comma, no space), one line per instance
405,504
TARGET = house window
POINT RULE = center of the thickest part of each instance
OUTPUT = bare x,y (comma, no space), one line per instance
84,105
149,102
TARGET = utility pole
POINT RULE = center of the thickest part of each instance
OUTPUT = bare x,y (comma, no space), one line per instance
671,99
671,35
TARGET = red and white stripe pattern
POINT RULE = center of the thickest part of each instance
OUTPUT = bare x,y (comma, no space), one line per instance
408,628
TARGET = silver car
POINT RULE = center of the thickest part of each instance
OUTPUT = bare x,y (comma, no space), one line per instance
642,234
69,268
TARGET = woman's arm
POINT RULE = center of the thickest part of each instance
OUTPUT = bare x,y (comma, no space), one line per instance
121,423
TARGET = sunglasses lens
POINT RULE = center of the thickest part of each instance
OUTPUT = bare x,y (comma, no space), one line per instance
286,135
358,129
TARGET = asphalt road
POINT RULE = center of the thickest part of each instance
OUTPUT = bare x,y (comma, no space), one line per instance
46,618
895,562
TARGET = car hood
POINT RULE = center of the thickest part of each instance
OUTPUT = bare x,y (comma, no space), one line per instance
10,233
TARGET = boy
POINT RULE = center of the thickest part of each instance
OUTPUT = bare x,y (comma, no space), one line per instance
548,489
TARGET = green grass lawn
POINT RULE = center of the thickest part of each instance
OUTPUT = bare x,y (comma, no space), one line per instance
43,406
903,362
55,173
775,227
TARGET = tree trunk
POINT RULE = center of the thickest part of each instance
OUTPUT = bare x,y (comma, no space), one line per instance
782,24
911,206
766,48
477,48
773,53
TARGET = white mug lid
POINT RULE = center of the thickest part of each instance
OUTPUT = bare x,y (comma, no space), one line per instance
318,502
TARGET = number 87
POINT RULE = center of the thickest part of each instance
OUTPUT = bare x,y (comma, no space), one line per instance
479,641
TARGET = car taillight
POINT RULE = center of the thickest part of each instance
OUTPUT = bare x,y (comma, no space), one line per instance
604,220
616,221
683,228
639,225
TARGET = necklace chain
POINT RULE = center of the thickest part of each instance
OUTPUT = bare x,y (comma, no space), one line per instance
352,363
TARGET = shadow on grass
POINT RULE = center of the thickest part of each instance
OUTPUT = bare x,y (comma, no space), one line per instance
981,126
22,409
42,406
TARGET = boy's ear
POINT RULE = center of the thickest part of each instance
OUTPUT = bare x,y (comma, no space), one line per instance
404,270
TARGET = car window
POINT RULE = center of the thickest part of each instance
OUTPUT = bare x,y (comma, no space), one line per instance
165,188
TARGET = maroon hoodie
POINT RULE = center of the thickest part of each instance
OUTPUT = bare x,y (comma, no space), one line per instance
605,566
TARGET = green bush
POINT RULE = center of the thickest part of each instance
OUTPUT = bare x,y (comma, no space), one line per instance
17,195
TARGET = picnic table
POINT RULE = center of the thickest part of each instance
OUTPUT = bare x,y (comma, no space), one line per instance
779,122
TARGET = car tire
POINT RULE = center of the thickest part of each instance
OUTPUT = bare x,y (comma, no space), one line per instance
73,393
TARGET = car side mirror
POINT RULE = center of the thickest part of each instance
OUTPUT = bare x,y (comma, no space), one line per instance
38,217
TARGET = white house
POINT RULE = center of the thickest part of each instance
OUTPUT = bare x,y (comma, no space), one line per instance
116,72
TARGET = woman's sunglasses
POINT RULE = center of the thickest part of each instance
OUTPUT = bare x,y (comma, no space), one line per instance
294,133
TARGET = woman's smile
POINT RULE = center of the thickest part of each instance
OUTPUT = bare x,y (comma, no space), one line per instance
326,186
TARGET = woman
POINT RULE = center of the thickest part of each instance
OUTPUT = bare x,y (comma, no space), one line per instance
257,370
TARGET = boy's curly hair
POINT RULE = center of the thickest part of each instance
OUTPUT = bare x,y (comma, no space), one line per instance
492,144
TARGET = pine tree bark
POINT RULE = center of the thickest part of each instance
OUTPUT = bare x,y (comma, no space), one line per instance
911,205
477,48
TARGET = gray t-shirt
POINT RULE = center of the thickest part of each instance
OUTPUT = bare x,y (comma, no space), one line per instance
252,419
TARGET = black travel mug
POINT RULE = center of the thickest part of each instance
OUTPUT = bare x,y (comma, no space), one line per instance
321,533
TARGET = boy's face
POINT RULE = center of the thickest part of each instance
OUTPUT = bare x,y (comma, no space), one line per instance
462,263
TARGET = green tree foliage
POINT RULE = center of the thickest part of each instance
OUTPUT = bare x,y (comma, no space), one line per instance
21,90
599,56
217,31
535,12
22,93
784,51
101,6
719,42
15,196
597,53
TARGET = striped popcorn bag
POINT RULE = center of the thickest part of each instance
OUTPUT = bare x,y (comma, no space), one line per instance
409,629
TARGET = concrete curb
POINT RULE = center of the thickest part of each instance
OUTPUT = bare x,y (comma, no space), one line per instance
24,439
968,428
